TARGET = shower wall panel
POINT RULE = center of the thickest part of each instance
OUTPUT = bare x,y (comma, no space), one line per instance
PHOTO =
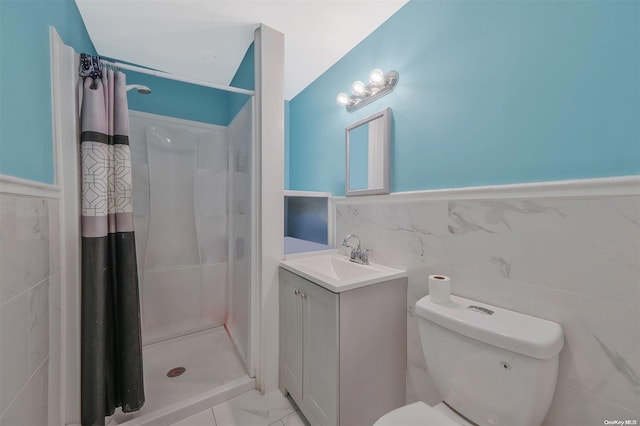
211,223
172,239
240,165
179,193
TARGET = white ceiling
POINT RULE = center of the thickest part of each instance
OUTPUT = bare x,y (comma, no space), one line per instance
208,39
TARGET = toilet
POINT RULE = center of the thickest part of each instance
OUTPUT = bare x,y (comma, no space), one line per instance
490,366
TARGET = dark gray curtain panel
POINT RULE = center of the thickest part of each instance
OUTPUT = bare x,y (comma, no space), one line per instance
111,344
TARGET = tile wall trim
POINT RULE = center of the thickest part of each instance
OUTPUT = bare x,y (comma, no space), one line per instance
12,185
574,188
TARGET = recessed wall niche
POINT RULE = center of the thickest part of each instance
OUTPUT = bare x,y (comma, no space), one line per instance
307,221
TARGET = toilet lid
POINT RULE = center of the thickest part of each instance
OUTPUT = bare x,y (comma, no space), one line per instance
416,414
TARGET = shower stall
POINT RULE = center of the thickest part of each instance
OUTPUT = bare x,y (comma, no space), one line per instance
208,238
192,204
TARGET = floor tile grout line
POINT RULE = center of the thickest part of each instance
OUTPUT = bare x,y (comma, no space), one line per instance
287,415
273,423
213,413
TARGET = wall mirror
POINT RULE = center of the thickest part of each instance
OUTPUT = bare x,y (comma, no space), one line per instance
368,144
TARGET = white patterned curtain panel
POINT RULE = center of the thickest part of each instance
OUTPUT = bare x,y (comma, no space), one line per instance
111,345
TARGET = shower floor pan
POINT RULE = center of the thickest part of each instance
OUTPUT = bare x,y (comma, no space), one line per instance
213,373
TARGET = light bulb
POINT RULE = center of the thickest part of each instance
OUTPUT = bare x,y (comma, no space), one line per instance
376,76
342,98
358,88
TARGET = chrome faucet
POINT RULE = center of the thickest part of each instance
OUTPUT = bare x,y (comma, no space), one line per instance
358,254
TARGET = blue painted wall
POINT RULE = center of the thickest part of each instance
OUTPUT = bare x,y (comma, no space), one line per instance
244,78
180,100
489,93
192,102
26,142
286,145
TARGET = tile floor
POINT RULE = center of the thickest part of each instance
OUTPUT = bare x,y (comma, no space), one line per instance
249,409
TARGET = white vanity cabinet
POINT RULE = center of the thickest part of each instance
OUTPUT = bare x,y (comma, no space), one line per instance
343,355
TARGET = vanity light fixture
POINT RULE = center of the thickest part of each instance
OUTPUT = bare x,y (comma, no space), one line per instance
379,85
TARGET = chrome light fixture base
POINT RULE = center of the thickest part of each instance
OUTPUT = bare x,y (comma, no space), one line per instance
373,91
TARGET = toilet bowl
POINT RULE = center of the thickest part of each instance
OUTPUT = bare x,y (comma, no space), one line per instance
421,414
489,365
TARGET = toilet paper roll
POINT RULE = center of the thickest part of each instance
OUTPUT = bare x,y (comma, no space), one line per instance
440,289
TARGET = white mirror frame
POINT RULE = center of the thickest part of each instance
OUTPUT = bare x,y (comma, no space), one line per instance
385,114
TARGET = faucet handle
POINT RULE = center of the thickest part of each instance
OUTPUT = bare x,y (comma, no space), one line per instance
364,256
355,253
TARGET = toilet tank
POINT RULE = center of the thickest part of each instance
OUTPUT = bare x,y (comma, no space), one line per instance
492,365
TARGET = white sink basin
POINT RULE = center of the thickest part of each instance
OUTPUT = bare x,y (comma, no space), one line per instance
337,273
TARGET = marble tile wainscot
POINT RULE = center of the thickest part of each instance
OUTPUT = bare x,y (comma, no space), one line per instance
567,251
30,301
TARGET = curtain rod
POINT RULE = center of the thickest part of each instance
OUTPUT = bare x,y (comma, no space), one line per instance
168,76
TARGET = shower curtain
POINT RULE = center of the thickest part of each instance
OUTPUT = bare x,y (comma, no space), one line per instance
111,347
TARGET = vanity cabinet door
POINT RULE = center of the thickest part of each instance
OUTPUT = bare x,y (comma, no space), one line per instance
291,334
321,353
343,357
